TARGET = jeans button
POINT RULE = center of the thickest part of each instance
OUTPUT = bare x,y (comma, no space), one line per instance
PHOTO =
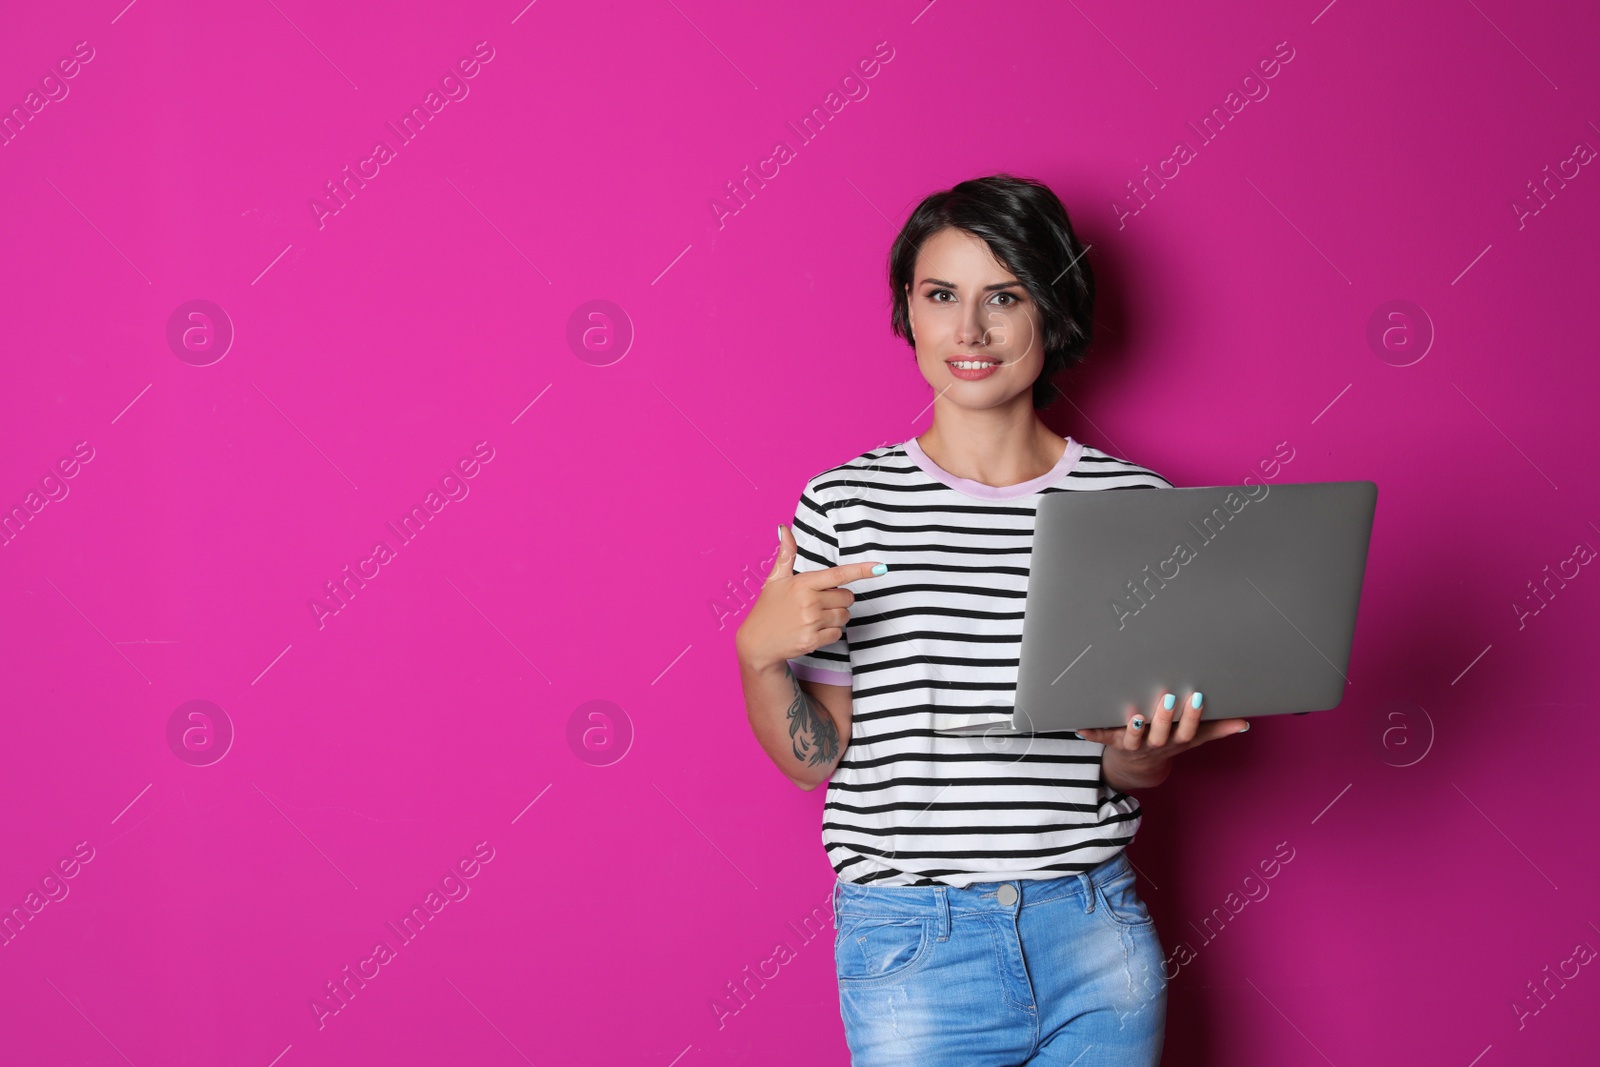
1006,895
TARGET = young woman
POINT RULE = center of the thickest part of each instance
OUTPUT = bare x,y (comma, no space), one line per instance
985,910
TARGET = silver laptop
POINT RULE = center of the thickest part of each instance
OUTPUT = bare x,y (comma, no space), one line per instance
1247,593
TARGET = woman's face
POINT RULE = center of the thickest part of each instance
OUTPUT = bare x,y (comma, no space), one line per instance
969,311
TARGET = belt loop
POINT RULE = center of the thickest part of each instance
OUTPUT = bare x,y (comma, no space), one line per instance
944,913
1088,891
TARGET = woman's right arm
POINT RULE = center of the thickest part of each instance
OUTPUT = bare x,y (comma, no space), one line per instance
803,726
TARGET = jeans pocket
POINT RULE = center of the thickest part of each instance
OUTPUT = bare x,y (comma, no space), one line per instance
1121,901
871,949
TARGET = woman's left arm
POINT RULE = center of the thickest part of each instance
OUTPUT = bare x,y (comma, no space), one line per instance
1139,756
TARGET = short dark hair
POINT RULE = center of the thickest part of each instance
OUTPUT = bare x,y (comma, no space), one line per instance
1026,227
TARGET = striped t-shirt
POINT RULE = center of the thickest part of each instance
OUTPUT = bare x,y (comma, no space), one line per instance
934,644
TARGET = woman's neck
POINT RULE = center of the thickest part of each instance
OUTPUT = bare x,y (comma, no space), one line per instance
996,454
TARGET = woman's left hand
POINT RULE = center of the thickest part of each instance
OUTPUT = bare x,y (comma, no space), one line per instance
1138,755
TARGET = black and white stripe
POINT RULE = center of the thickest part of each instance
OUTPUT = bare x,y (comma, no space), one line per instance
933,644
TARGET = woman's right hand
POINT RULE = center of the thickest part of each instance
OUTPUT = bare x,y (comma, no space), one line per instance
798,613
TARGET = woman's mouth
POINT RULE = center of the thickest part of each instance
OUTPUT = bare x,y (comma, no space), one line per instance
972,370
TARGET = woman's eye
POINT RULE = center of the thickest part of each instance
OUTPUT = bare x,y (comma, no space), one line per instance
1010,297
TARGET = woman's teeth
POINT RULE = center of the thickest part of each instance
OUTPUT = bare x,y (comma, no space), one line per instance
972,364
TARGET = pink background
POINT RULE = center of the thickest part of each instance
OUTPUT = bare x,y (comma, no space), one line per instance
1439,819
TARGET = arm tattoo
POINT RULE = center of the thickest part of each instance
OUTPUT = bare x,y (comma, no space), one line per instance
815,738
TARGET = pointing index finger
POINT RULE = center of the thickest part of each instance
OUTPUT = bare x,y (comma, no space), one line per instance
831,577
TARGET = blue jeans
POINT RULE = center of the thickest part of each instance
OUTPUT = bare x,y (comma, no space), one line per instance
1047,971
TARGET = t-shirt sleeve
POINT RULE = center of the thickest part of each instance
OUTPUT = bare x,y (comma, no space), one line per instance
816,548
1156,481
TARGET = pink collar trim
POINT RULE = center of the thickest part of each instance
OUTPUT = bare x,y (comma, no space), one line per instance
1069,459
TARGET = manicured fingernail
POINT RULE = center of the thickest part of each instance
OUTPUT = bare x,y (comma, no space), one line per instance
780,534
1243,728
1079,736
1194,701
1138,723
882,568
1167,702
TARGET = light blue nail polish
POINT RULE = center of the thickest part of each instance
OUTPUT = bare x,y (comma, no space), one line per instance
882,568
1138,724
1194,701
1079,736
1243,728
1167,701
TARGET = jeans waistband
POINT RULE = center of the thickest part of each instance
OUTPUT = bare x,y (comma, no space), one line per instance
942,901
